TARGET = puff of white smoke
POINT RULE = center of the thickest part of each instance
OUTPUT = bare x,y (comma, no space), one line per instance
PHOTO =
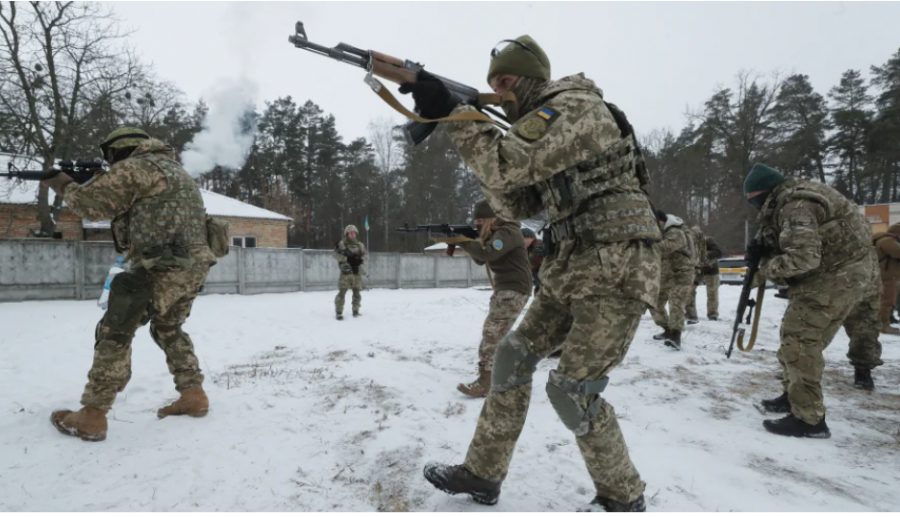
223,140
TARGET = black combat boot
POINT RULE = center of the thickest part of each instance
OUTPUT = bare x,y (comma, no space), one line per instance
693,321
339,316
778,405
456,479
355,312
603,504
662,335
713,318
674,339
793,426
862,379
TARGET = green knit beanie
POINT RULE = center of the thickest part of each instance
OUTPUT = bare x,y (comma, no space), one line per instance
525,58
483,210
762,177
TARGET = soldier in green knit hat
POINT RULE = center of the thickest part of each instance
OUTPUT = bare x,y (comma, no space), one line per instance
573,156
815,241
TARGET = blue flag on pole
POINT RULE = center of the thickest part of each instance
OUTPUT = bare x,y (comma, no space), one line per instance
367,223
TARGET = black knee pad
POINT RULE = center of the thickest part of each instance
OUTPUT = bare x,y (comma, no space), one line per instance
569,399
514,363
129,300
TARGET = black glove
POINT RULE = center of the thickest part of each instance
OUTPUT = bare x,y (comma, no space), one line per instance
755,251
433,99
345,268
471,233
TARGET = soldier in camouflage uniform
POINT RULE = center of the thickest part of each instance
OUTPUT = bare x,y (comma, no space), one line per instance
574,155
678,271
708,254
815,241
502,247
351,256
160,221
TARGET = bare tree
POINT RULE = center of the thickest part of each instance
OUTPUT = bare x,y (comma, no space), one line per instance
57,60
389,155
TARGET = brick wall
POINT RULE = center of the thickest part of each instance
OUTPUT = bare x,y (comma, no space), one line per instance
17,222
269,233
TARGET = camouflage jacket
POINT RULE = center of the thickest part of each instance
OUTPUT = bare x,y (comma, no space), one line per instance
811,229
112,195
677,258
346,248
570,129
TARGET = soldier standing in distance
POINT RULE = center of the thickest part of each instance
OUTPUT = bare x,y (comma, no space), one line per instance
708,254
502,247
574,155
158,217
887,245
677,279
351,256
815,241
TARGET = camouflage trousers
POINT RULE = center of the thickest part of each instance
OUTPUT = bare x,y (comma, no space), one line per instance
348,282
813,316
890,290
172,293
677,296
591,308
712,297
504,308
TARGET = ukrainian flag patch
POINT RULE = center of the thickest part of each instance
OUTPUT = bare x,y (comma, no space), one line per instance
546,113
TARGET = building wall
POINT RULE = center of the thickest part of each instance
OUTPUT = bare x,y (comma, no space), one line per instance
269,233
18,221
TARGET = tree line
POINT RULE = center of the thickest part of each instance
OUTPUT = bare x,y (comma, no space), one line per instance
68,77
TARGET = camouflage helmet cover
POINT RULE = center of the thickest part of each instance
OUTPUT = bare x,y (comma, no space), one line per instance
350,228
124,137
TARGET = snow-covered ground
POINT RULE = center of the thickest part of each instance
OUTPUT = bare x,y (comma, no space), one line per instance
309,413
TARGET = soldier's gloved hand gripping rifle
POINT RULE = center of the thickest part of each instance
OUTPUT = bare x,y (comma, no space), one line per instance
401,72
755,252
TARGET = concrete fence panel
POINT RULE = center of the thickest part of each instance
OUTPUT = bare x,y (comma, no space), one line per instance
32,269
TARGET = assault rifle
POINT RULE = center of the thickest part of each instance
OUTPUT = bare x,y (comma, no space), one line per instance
450,233
80,171
744,303
401,71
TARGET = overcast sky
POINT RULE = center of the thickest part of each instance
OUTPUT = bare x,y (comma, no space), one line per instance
654,60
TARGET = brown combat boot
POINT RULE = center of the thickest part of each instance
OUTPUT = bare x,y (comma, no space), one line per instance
886,328
193,402
88,423
481,386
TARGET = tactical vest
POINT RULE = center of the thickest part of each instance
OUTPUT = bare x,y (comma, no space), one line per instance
602,199
845,235
162,228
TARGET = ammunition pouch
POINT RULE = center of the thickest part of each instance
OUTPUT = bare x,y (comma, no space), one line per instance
120,234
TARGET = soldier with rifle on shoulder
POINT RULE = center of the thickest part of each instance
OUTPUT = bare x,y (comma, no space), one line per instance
815,241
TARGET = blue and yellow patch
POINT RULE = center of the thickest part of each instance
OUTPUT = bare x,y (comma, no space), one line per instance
498,244
536,125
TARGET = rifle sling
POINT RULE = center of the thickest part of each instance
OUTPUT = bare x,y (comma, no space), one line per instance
740,342
392,101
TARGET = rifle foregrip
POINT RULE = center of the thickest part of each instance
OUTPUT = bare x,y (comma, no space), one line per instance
416,132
